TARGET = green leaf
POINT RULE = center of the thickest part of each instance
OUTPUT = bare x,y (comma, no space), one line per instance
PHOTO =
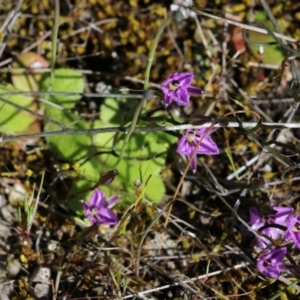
67,81
131,172
13,119
273,54
118,111
67,147
144,156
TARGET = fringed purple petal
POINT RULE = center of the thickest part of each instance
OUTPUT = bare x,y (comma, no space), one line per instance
183,146
175,88
193,163
283,215
181,97
108,217
195,90
184,79
208,147
256,221
98,210
113,200
98,199
168,100
270,262
200,139
86,207
293,231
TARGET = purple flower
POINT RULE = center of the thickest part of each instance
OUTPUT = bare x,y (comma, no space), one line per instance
270,262
98,209
177,88
293,231
257,221
283,215
197,138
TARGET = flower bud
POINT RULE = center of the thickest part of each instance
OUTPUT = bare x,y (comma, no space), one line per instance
223,121
108,177
257,183
199,119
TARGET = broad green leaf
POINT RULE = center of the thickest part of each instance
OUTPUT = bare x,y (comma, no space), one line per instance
144,156
67,81
273,54
67,147
118,111
103,140
130,171
13,119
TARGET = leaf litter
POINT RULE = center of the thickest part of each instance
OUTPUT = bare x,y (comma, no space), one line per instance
203,252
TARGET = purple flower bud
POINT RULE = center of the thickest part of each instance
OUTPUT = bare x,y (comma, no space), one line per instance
199,119
257,183
108,177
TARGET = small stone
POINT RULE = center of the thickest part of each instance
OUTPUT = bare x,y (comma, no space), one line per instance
43,274
8,213
16,196
3,201
6,288
13,267
41,290
4,232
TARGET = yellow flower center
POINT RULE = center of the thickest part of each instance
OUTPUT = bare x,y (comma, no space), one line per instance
296,227
190,138
173,86
94,212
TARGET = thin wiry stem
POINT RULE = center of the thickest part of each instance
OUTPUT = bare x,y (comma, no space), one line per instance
204,276
146,85
89,95
247,125
270,15
36,114
248,27
54,43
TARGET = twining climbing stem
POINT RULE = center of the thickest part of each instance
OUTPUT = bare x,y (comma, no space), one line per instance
146,86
